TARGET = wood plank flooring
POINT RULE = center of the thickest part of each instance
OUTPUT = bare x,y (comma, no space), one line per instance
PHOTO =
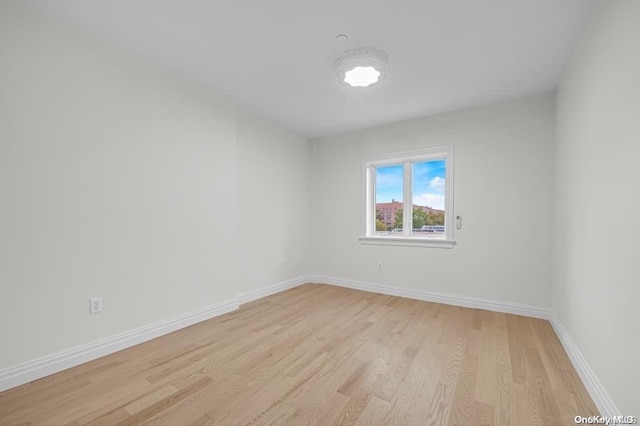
320,354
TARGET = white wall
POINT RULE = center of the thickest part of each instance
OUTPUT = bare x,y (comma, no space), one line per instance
503,190
273,209
119,180
597,198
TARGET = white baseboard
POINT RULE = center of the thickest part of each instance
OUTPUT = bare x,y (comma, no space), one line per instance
54,363
248,296
36,369
50,364
598,393
448,299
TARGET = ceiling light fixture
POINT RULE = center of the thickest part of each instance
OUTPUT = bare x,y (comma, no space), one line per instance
363,67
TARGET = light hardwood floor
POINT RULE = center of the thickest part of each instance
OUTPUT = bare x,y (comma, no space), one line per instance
320,354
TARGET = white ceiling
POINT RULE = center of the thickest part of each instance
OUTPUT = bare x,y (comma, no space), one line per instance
275,58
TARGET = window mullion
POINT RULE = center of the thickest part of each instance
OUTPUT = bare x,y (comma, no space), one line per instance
406,199
371,196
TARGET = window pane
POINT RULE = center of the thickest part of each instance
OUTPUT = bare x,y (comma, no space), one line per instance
427,188
389,199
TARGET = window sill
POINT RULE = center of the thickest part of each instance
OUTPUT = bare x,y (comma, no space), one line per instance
408,242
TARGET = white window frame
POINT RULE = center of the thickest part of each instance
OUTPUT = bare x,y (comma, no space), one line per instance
406,159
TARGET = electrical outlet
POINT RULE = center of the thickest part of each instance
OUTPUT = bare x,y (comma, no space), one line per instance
380,266
281,263
95,305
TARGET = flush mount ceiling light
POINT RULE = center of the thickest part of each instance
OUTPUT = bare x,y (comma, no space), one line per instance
363,67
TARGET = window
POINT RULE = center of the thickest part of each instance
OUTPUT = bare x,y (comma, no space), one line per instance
409,199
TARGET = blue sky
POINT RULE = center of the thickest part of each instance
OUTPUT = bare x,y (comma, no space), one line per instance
427,188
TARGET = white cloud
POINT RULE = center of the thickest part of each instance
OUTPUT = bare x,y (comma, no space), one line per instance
437,184
435,201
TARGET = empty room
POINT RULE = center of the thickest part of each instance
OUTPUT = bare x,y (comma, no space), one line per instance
319,212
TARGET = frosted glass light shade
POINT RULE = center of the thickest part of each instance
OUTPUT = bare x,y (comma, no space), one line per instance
363,67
